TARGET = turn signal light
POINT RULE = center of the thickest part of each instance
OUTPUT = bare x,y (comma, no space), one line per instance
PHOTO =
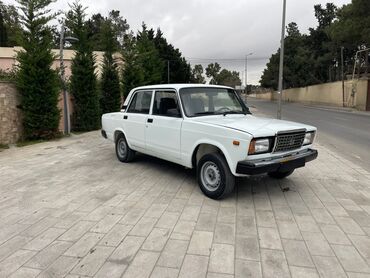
236,143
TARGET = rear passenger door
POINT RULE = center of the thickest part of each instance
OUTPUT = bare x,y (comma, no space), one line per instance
135,118
164,126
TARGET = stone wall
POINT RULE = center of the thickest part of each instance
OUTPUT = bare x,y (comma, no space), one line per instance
10,115
326,94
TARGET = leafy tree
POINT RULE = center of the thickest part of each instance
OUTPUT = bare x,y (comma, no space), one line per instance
180,70
197,74
35,80
148,57
3,31
110,84
212,71
11,24
132,72
86,114
229,78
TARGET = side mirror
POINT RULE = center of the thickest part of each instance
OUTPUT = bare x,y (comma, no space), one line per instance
124,107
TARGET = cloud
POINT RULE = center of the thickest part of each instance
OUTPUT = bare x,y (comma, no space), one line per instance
215,29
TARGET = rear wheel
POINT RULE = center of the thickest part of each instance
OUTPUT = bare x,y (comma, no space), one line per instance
280,174
214,176
123,151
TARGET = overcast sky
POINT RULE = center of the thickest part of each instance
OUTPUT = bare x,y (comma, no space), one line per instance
214,29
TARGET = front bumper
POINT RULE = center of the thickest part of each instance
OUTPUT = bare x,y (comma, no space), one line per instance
284,163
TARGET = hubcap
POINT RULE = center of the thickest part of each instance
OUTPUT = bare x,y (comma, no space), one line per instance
122,148
211,176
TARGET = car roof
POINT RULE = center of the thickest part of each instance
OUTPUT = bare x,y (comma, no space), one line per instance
180,86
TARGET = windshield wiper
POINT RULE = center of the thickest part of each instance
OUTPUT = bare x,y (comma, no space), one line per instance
234,112
205,113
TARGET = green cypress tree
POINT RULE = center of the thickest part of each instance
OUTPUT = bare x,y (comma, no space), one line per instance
37,83
3,31
83,83
110,87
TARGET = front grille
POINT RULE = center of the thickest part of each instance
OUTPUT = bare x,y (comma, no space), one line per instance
289,141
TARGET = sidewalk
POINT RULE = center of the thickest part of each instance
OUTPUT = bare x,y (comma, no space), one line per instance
69,208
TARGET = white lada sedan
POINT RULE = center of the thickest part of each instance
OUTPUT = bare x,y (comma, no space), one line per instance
208,128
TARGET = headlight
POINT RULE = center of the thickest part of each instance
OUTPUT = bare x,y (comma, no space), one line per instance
259,146
308,139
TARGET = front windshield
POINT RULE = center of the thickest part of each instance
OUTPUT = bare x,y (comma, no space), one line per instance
211,101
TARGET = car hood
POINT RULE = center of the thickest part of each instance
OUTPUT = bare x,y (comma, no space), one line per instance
257,126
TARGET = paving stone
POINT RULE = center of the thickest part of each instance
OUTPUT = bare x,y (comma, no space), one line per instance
334,234
97,214
77,231
164,272
265,219
142,265
168,220
143,227
303,272
349,226
247,269
200,243
226,215
25,272
190,213
297,253
269,238
225,233
126,251
13,262
362,243
116,235
107,223
289,230
350,259
274,263
206,222
173,253
317,244
246,226
219,275
194,267
44,239
133,216
183,230
12,245
84,245
48,255
156,239
247,248
306,223
91,263
60,267
328,267
39,227
222,258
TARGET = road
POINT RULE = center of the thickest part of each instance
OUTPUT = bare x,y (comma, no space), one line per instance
344,132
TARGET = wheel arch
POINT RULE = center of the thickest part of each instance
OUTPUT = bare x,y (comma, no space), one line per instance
205,147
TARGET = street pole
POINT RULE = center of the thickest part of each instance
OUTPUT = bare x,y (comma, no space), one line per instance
168,71
342,62
281,64
62,75
246,72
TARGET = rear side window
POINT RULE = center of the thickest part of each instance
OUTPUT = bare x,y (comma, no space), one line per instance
166,104
140,102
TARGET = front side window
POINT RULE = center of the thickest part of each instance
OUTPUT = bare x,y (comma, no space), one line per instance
140,103
166,104
211,101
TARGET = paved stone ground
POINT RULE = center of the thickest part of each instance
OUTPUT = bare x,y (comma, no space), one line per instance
69,208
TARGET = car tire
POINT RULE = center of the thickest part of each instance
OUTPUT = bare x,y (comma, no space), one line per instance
214,176
280,174
123,151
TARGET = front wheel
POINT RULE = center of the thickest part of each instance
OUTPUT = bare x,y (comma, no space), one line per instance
280,174
123,151
214,176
